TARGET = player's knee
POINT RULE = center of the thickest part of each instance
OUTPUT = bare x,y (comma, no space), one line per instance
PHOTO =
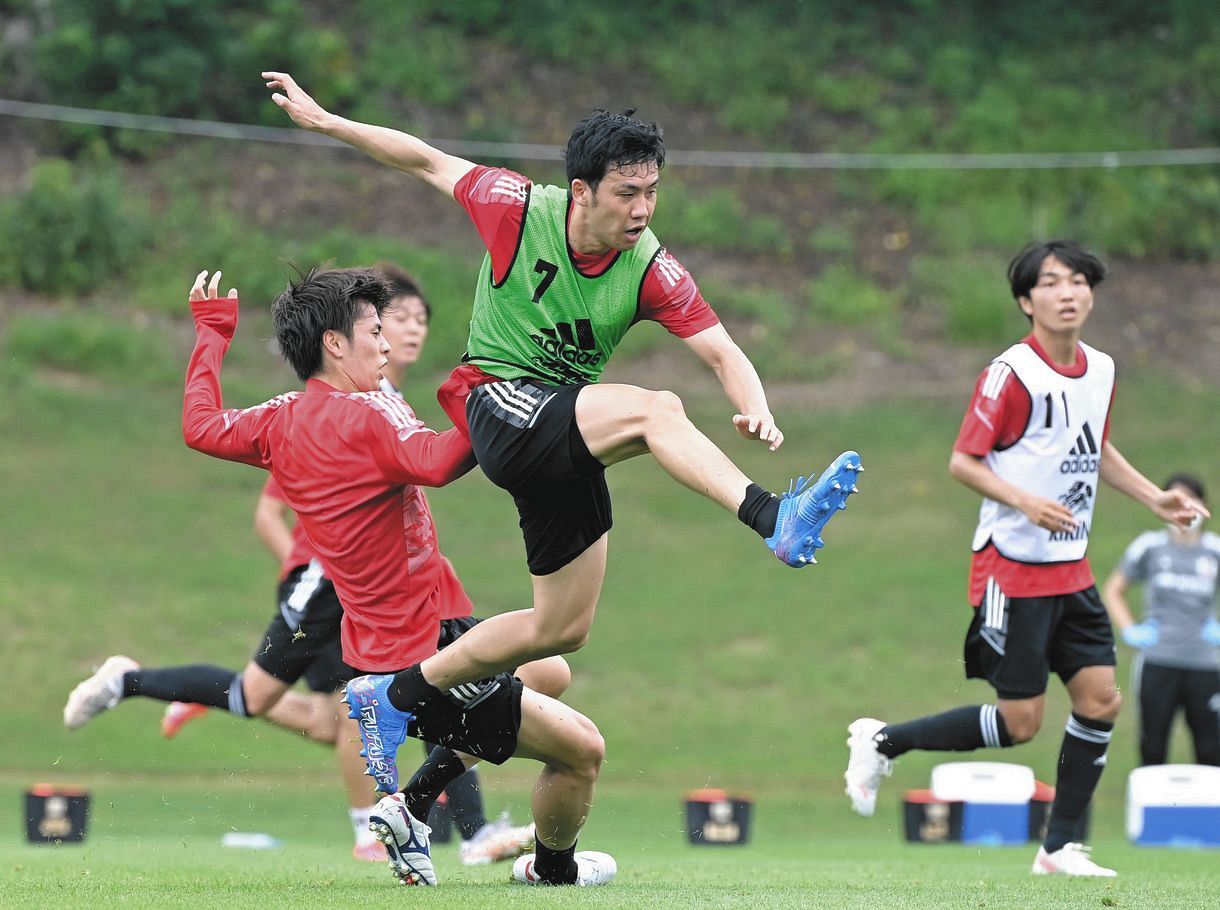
550,676
1107,707
663,410
1022,726
592,750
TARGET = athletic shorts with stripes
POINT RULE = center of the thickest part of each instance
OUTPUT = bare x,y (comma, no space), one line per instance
302,639
480,718
525,436
1014,642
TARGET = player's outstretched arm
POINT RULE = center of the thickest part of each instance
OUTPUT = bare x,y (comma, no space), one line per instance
1045,513
740,382
1175,506
397,149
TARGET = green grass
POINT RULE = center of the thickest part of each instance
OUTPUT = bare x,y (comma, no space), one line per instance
709,664
155,841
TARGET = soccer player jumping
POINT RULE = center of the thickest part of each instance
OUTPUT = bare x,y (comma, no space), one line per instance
1034,443
568,271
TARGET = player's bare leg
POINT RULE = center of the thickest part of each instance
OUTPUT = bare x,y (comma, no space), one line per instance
559,622
619,422
571,750
314,716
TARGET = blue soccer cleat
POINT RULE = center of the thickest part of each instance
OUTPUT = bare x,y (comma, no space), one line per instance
807,506
383,728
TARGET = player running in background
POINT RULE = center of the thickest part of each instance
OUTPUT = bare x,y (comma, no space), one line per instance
1034,444
350,460
302,641
568,271
1176,664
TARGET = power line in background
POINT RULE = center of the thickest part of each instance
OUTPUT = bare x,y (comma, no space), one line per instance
931,161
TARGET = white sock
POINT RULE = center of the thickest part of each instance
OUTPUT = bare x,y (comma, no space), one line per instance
360,824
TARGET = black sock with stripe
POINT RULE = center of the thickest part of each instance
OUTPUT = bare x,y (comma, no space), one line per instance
202,684
960,730
1082,758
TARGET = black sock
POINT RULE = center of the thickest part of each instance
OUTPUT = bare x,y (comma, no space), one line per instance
466,804
960,730
409,689
759,510
1081,761
440,768
203,684
555,867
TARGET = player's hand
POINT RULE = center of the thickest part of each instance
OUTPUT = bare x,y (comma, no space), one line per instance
761,427
1143,634
1049,514
1211,632
304,111
1179,508
213,287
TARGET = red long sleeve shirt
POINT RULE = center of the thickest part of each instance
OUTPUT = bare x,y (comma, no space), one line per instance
350,465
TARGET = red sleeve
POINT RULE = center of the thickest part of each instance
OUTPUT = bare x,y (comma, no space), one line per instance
272,490
494,198
998,412
670,296
207,426
1105,433
417,455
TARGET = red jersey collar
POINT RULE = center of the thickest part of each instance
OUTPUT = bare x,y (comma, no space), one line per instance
1075,371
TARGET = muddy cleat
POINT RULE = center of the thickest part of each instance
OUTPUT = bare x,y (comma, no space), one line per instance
866,766
592,868
370,851
383,728
405,839
1070,859
178,714
806,508
100,692
496,841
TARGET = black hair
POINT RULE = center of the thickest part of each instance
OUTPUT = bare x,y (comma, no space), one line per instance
1025,267
403,284
319,301
1190,482
604,140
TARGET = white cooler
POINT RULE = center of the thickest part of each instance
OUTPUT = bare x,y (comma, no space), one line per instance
1174,806
995,798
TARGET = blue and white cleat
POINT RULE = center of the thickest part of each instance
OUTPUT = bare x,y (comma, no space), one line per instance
807,506
406,840
383,728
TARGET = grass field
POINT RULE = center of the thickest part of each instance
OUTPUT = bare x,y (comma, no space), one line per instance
709,665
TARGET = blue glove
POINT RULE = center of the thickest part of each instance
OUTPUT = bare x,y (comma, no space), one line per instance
1143,634
1211,632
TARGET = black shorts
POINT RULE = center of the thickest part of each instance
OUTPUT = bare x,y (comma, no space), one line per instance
302,639
525,436
1014,642
481,719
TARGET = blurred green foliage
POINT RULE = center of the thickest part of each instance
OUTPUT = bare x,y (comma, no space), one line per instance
74,228
805,75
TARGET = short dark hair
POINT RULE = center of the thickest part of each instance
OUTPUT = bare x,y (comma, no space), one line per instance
604,140
403,284
1025,267
319,301
1190,482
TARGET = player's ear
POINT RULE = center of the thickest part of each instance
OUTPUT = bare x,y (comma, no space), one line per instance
582,193
1026,305
332,343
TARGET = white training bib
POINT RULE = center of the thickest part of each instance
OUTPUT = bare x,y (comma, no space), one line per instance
1057,457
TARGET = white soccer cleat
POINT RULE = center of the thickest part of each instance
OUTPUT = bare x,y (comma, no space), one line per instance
1070,859
866,766
496,841
405,839
100,692
592,868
